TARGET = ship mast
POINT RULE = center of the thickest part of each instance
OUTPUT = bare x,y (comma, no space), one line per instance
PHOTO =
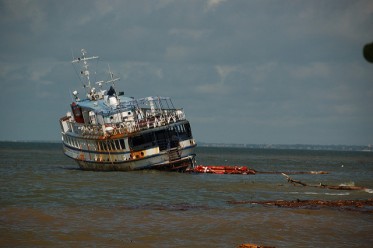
85,71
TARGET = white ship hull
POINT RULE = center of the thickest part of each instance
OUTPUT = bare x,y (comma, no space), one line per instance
161,161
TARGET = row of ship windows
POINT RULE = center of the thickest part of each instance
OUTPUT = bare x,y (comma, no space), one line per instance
106,145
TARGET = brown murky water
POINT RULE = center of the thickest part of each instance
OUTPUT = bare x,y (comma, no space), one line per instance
46,202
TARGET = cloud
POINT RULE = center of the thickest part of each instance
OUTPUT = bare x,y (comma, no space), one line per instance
224,71
177,53
215,90
212,4
189,34
314,70
30,12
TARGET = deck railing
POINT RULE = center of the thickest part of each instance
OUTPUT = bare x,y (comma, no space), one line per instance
151,119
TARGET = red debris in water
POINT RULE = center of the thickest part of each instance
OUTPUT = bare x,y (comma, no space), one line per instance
222,169
254,246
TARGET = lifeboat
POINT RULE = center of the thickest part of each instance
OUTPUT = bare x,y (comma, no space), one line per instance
222,169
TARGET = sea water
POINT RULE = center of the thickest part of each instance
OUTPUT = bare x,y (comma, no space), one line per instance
47,201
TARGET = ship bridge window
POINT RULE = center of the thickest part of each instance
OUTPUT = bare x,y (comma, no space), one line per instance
122,143
103,145
107,145
111,144
142,141
184,131
145,138
188,130
118,144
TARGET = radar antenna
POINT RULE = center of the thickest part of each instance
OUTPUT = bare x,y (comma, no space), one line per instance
112,79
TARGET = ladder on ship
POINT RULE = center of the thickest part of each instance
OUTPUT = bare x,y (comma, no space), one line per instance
174,154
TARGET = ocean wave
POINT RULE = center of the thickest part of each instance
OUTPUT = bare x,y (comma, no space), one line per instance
337,193
305,193
348,184
316,193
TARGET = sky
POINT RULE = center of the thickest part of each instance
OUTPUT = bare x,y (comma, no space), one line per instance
250,72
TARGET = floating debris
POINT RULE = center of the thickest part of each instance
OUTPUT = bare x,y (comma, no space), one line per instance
336,187
293,172
254,246
353,205
243,170
222,169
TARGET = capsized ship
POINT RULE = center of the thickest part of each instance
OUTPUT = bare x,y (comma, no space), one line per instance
109,131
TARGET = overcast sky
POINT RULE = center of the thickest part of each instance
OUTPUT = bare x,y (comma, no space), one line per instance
273,72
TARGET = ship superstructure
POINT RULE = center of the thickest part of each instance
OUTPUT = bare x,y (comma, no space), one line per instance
109,131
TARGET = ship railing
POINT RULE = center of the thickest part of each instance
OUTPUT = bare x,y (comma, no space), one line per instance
105,130
158,102
151,120
159,118
93,130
